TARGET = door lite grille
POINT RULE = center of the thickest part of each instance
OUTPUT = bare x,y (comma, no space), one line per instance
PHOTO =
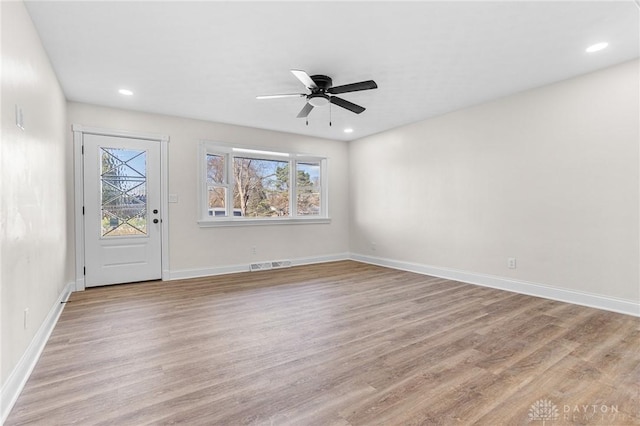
123,187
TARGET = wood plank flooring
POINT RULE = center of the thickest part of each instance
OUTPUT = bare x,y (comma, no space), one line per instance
341,343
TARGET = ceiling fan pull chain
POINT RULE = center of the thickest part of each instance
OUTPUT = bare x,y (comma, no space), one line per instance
329,115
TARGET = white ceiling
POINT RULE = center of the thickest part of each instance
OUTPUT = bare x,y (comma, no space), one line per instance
208,60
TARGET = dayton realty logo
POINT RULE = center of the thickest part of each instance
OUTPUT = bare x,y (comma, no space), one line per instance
543,410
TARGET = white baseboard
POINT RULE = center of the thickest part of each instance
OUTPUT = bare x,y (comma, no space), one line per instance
591,300
320,259
181,274
607,303
20,374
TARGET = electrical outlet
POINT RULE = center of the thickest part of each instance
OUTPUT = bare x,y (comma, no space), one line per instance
26,318
373,246
511,263
254,250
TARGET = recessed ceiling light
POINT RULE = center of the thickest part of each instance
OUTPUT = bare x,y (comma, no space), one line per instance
125,92
596,47
348,130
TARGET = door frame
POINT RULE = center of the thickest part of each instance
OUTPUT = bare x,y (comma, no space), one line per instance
78,180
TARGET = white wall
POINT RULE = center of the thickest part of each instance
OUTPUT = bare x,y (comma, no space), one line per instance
549,176
33,215
195,250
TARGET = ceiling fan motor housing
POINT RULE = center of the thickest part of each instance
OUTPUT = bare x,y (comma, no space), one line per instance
323,82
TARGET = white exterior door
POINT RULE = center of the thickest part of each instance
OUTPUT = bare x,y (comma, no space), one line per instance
122,220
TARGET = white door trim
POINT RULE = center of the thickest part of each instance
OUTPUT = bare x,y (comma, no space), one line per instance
78,132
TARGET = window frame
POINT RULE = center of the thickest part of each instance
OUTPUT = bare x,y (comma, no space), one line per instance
229,152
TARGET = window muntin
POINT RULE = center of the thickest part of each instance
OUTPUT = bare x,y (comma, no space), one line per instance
245,184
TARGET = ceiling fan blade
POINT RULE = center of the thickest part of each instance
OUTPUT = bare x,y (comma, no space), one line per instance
346,104
304,112
305,79
289,95
353,87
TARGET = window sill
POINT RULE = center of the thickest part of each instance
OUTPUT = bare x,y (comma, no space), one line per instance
267,221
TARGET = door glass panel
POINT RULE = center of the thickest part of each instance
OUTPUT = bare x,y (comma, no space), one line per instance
123,186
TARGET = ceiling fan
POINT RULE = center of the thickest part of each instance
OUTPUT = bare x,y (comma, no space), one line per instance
322,92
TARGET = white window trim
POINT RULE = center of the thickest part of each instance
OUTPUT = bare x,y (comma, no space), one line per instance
216,148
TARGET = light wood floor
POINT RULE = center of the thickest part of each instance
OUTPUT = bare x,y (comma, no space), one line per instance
342,343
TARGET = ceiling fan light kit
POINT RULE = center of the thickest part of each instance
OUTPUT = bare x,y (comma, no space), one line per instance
323,92
318,99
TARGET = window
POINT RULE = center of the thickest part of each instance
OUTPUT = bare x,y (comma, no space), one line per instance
247,186
308,188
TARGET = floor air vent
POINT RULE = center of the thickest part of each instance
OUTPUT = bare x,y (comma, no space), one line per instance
263,266
281,264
